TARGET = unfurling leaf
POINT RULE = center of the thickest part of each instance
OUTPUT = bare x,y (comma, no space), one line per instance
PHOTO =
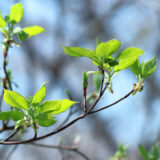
148,67
15,100
96,82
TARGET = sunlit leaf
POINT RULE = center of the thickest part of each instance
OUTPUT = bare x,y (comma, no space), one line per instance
127,58
106,49
78,52
49,106
2,21
14,99
65,104
40,95
16,12
148,67
33,30
14,115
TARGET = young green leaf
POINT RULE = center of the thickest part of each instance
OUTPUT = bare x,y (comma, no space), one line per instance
33,30
65,104
14,115
96,82
106,49
136,68
16,12
97,41
78,52
45,120
129,53
143,152
127,58
22,36
148,67
2,22
40,95
49,106
15,100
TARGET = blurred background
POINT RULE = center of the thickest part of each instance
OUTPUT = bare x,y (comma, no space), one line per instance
77,23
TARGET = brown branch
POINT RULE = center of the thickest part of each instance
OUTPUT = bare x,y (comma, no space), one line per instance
69,124
69,148
110,105
6,128
12,135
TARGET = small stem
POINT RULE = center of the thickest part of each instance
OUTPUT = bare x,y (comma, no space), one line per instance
12,135
127,95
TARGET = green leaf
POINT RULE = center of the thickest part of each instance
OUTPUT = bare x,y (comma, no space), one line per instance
2,21
49,106
40,95
33,30
143,152
22,36
106,49
129,53
65,104
85,80
111,61
16,12
97,41
15,100
148,67
127,58
45,120
78,52
96,82
136,68
14,115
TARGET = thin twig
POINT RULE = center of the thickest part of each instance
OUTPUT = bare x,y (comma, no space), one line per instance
6,128
69,148
127,95
70,123
12,135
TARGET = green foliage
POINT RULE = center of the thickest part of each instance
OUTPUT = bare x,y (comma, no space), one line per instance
108,48
121,153
2,21
152,154
34,110
14,99
7,26
127,58
144,70
103,58
14,115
